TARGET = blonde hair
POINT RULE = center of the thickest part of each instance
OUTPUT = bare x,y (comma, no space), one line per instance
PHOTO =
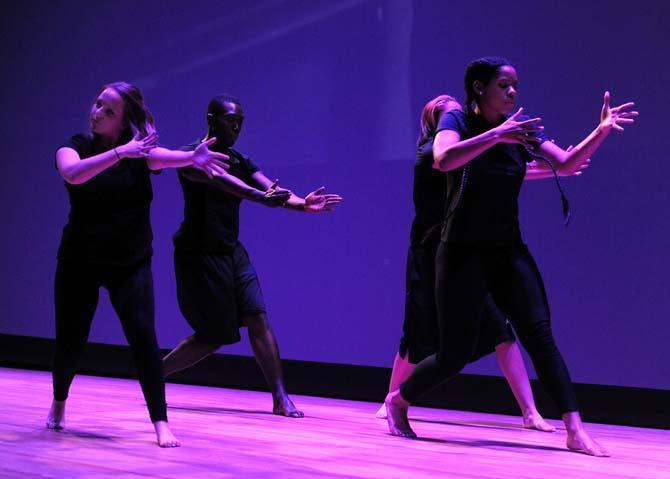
431,114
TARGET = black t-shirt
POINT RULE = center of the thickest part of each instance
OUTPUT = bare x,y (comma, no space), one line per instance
109,219
429,195
211,215
488,209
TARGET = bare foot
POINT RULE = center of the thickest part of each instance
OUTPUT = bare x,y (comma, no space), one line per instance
581,442
164,435
381,412
283,406
533,420
56,417
396,415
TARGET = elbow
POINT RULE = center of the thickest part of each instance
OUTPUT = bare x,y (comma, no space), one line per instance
71,178
154,164
442,161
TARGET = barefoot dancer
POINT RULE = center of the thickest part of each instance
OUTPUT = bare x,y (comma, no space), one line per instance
481,249
107,241
419,339
217,287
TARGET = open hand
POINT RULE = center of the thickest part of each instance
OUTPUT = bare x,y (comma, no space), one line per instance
316,201
212,163
138,147
521,132
613,118
275,188
275,196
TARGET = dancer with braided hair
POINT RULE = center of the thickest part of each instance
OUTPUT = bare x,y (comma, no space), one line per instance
419,337
481,250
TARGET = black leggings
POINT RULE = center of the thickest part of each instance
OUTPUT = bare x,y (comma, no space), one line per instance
465,273
420,327
132,296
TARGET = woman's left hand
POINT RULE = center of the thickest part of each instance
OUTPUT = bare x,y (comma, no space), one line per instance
316,202
212,163
613,118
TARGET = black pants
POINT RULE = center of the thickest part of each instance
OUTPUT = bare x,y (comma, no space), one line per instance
420,336
465,273
132,296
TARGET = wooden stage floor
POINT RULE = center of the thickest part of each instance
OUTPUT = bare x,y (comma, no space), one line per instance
230,433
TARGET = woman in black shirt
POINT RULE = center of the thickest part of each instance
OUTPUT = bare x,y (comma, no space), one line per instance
107,240
420,329
481,249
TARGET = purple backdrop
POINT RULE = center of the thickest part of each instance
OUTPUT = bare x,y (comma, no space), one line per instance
332,93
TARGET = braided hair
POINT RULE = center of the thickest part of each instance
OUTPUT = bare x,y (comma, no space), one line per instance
484,70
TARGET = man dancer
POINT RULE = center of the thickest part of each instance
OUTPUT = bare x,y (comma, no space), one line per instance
217,287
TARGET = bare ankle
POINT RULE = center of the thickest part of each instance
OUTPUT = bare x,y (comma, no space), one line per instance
396,399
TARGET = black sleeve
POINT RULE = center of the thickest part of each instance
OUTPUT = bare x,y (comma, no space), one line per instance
246,166
185,171
453,120
82,144
249,166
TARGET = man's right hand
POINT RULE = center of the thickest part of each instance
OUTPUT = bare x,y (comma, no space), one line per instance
273,198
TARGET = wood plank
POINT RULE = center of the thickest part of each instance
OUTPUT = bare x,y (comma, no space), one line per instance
231,433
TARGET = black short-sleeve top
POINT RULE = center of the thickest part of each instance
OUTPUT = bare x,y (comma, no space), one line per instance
109,220
429,194
488,210
212,216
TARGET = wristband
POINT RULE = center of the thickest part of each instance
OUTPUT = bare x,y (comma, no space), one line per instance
117,154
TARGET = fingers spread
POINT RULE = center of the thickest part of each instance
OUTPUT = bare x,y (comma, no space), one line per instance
530,121
625,106
220,164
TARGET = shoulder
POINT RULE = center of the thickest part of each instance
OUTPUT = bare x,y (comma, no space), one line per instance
453,120
80,142
246,162
237,155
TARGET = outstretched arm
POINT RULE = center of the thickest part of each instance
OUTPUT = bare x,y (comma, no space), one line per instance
76,171
236,187
570,161
202,158
315,202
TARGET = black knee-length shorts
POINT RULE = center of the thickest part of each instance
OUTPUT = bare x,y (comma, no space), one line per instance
215,291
